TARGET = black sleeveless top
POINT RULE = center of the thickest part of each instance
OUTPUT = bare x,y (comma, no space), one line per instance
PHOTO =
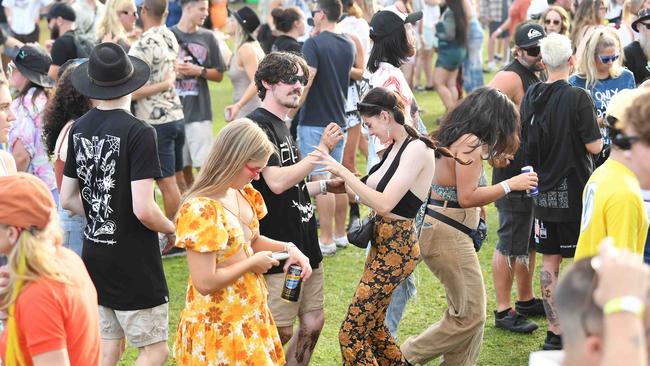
528,78
410,204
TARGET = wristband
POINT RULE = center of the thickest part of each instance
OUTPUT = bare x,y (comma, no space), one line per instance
357,199
323,187
506,187
204,71
288,246
629,304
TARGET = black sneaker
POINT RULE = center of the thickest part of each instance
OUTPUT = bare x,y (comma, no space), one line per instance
553,342
533,307
515,322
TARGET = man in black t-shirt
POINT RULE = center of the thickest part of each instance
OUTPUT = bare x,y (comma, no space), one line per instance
108,177
560,132
637,53
280,79
61,18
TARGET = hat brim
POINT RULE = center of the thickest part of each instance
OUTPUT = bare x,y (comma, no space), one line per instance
241,24
413,17
639,20
35,77
81,81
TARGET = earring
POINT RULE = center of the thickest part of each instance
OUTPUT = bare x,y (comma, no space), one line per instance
388,131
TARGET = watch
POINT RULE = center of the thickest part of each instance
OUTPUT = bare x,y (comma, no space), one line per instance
204,72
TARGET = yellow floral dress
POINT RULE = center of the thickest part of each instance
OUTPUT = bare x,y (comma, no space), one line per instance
231,326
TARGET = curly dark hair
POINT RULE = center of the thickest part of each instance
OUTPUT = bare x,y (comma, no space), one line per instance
275,66
65,105
394,49
487,114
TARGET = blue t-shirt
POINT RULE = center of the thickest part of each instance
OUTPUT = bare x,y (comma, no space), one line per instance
333,56
175,10
605,89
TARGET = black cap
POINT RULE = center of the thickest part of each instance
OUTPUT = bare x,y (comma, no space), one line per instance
644,14
34,63
62,10
388,20
529,34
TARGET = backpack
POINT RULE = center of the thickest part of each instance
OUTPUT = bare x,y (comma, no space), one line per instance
84,44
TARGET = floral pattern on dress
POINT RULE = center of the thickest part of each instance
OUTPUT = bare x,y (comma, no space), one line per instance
231,326
28,129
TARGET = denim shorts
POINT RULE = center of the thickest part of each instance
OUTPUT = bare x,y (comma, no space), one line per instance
450,56
73,227
309,138
171,138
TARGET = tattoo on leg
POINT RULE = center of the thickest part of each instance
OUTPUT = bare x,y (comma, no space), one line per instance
547,281
306,345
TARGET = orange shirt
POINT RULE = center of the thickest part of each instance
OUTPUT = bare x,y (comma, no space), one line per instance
52,315
517,14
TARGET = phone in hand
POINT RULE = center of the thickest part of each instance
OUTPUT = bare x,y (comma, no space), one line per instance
280,256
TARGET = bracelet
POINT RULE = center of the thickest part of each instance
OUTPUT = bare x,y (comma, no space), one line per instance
323,187
506,187
289,245
629,304
204,71
357,199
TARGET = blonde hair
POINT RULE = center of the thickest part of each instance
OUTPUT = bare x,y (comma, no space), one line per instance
241,36
600,39
236,144
110,21
565,22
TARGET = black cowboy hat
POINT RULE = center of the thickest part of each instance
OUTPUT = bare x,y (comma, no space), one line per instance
34,63
109,73
247,18
644,14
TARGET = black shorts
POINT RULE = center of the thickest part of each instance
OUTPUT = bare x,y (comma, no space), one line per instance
556,237
515,226
171,138
492,26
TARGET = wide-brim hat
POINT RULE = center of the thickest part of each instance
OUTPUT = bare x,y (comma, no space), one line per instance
247,18
34,63
389,19
644,14
109,73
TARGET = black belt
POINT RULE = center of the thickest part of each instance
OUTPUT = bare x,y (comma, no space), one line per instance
450,204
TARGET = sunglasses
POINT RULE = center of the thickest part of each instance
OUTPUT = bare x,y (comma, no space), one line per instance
624,142
291,79
554,21
608,59
255,171
315,11
131,13
532,51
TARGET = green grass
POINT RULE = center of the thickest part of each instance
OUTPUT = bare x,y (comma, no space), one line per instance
343,271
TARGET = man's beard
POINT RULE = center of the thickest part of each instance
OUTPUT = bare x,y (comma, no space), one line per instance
644,41
54,32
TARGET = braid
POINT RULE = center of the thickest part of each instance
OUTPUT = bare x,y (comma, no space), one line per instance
434,144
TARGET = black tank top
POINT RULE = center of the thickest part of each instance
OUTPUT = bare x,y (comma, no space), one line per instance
410,204
528,78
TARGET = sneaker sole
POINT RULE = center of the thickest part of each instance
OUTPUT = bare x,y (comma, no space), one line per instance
516,331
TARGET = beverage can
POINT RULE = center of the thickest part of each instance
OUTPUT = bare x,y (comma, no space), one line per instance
292,283
531,192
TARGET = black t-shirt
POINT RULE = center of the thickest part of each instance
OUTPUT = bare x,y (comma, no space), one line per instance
287,44
64,49
290,214
107,150
563,120
636,61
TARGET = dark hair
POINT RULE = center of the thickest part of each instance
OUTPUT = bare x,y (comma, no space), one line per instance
487,114
283,18
275,66
394,49
331,8
30,84
156,7
185,2
381,99
456,6
65,105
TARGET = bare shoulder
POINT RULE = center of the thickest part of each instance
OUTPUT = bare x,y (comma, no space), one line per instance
505,81
467,144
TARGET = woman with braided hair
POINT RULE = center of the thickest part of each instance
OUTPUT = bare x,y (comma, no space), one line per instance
395,189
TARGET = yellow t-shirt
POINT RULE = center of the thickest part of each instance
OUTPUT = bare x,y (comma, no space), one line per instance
612,206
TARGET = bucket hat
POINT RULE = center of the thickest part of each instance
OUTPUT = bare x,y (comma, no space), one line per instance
34,63
109,73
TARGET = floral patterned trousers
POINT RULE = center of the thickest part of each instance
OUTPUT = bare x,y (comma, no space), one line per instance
395,253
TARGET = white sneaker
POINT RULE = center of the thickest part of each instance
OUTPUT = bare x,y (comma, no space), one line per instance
341,242
327,249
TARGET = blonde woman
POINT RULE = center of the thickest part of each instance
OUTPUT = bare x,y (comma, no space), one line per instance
600,71
45,289
555,20
226,313
117,24
241,25
589,16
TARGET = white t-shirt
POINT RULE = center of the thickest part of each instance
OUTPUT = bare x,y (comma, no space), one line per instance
360,28
430,15
24,14
536,7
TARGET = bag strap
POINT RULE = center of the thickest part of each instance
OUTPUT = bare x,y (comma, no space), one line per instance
449,221
187,49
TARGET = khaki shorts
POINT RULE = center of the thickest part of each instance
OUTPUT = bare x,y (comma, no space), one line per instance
140,327
311,297
198,142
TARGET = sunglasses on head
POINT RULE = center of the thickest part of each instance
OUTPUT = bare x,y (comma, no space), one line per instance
533,51
608,59
291,79
554,21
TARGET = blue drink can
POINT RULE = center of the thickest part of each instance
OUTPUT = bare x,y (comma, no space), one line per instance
529,169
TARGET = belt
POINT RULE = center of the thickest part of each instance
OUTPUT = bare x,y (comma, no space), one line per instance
450,204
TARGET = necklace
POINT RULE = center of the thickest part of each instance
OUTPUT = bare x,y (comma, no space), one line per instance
249,224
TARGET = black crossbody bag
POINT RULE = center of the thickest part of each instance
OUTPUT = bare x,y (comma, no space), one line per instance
478,235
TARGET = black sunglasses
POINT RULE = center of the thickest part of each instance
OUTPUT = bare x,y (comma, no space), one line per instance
624,142
549,21
291,79
532,51
315,11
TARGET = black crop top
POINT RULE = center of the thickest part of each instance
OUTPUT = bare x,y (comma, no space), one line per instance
410,204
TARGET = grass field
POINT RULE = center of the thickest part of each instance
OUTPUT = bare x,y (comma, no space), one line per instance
343,271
